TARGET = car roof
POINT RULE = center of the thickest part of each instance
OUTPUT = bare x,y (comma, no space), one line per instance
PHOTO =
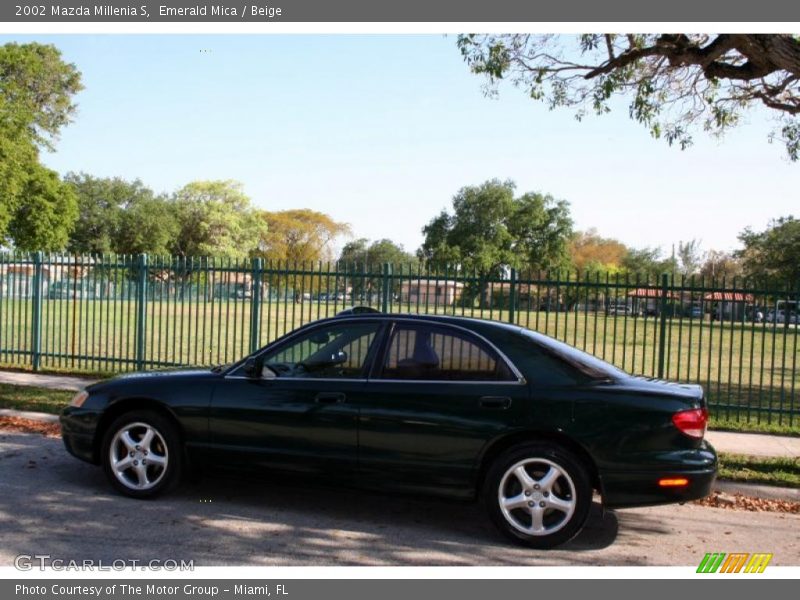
468,322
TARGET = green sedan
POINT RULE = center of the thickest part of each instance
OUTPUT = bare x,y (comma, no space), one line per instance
464,408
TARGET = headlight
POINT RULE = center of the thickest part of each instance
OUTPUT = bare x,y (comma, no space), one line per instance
78,399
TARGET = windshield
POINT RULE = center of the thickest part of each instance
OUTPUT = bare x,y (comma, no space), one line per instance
586,363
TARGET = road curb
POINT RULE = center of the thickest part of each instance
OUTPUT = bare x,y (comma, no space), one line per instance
33,416
769,492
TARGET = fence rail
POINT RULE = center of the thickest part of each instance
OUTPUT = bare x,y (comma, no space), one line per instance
121,313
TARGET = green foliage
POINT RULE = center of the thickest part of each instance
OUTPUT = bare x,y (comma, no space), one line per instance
647,263
773,254
36,91
216,219
373,255
148,225
491,230
363,256
47,214
674,83
36,101
113,216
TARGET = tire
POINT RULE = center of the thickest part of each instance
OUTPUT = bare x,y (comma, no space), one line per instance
538,494
131,442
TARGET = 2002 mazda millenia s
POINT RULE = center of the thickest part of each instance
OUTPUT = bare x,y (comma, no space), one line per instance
426,404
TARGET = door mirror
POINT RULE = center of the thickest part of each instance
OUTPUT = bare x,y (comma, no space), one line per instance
253,367
320,338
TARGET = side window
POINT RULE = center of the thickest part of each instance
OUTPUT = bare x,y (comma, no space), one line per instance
338,350
430,353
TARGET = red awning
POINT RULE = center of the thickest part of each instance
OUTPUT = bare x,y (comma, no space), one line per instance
650,293
728,297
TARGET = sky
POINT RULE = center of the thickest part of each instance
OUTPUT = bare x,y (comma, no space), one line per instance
380,131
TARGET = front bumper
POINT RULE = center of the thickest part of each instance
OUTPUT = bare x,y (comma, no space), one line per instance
626,489
78,430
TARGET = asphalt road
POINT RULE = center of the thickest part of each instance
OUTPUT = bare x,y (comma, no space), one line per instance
51,503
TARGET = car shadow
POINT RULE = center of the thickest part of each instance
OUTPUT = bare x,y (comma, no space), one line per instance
57,505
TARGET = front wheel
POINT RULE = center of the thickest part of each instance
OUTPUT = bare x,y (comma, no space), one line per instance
141,454
538,494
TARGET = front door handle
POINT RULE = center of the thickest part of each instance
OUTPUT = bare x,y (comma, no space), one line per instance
329,398
498,402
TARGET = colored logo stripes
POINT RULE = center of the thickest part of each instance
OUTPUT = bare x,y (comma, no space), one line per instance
743,562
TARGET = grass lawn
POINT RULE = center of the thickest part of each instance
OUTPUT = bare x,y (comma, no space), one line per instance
779,471
33,399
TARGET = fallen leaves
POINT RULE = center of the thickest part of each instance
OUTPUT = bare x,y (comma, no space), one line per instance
30,426
749,503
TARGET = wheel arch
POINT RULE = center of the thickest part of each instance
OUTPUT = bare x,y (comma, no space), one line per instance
125,405
500,445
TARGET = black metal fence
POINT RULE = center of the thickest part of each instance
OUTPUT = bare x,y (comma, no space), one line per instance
111,314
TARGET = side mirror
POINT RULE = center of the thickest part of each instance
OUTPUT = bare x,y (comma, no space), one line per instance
252,367
320,338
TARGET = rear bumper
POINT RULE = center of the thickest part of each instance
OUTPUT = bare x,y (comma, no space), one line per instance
625,489
78,428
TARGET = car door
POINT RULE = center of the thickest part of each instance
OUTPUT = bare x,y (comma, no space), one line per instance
438,395
301,413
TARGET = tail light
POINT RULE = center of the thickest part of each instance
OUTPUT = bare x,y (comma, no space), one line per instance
691,422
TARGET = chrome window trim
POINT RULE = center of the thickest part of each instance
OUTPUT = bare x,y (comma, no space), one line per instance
373,317
342,379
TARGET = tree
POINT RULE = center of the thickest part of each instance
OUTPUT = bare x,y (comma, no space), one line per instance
36,91
773,254
299,235
675,83
362,256
647,262
590,252
215,219
690,257
36,101
147,225
43,221
490,230
720,264
374,254
102,205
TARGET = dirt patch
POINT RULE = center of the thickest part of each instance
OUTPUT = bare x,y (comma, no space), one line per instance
30,426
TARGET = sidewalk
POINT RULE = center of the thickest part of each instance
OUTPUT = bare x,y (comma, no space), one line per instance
51,382
752,444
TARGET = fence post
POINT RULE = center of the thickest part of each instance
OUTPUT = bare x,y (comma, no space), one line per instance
512,297
386,287
141,312
255,306
36,326
662,334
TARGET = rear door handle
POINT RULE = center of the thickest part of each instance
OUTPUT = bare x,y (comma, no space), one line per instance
498,402
329,398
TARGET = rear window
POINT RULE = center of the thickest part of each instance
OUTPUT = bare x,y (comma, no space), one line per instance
588,365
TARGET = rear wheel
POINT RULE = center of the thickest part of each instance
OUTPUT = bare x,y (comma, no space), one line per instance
141,454
538,494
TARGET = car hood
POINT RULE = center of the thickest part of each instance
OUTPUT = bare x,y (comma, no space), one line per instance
146,376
